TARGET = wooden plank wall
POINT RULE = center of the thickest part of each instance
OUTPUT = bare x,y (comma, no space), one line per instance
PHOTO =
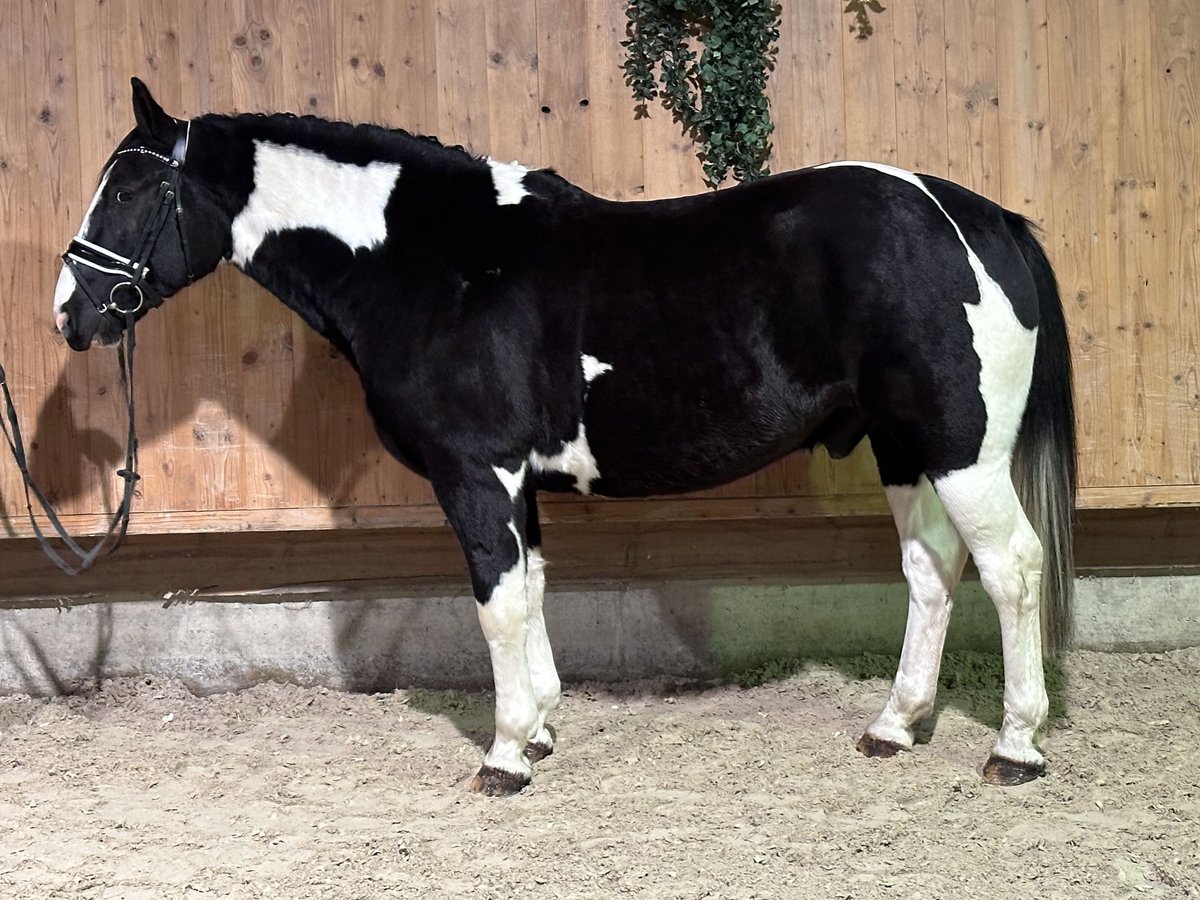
1081,115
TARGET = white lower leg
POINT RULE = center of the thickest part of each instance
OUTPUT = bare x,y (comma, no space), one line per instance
933,559
543,675
983,504
502,619
1025,702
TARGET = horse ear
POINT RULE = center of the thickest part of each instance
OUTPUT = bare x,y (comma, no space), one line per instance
151,120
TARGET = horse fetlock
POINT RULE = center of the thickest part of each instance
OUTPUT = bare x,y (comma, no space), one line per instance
1015,743
540,747
886,735
509,755
1014,758
547,695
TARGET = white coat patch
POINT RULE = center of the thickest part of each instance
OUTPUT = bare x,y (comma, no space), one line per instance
592,367
87,216
509,181
63,291
512,481
299,188
574,459
1004,346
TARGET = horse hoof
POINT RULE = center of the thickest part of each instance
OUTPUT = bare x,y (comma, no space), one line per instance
536,752
877,749
1007,772
496,782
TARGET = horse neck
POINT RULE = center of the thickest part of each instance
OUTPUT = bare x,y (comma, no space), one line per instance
300,200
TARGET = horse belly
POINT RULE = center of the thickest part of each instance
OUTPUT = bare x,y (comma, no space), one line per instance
646,442
641,473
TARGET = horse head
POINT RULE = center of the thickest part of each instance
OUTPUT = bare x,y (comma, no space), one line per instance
142,238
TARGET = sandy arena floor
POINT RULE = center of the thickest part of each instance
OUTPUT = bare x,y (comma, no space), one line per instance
142,790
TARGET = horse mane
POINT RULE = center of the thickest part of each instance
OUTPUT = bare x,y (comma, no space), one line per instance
322,129
362,142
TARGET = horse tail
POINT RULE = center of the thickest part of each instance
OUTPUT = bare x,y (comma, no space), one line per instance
1044,459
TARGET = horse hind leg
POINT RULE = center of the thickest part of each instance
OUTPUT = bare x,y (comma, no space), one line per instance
933,555
984,506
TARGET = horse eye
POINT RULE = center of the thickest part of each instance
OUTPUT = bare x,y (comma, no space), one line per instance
124,196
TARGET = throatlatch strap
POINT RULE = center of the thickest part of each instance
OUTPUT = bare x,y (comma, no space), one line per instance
120,520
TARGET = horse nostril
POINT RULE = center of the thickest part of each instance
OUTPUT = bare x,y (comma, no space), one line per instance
60,322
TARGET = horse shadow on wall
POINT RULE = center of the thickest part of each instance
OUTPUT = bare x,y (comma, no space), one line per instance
221,382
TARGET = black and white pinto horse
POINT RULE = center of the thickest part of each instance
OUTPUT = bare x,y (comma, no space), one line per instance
514,333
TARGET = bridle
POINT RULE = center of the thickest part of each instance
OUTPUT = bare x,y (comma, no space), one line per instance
128,273
90,262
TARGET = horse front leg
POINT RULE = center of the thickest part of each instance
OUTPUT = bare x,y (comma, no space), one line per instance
487,512
543,675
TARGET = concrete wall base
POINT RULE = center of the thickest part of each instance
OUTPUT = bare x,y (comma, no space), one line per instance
372,641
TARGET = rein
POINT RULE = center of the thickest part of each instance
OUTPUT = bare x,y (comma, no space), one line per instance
120,520
88,260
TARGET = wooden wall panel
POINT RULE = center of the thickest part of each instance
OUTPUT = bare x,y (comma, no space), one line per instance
461,68
514,65
1081,116
204,455
1075,226
51,159
869,79
972,97
101,40
616,135
1176,65
808,83
920,81
565,110
1130,174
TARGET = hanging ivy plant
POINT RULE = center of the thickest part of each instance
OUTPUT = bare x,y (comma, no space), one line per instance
719,97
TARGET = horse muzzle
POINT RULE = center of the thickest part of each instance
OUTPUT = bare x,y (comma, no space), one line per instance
81,334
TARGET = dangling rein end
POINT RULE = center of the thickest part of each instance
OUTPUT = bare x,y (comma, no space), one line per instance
129,473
